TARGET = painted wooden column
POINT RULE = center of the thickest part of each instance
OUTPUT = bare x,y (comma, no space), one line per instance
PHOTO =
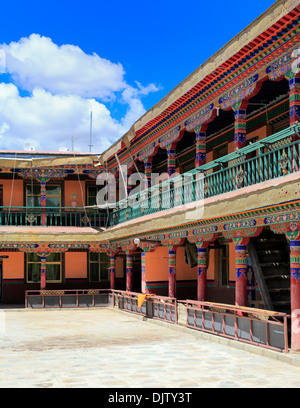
171,150
143,264
128,186
202,270
294,83
200,145
129,271
172,270
241,271
240,125
112,269
295,288
148,172
239,129
43,271
43,201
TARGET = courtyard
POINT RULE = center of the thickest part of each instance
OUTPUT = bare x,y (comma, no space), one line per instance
106,348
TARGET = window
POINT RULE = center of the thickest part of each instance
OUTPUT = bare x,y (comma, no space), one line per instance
99,267
53,195
92,195
53,268
33,196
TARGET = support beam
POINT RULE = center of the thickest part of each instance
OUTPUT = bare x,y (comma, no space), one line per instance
200,145
112,268
239,129
241,271
43,271
143,267
202,271
129,271
43,202
171,150
148,172
295,292
172,270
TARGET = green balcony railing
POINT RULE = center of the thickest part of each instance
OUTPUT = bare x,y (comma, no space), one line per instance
52,217
270,158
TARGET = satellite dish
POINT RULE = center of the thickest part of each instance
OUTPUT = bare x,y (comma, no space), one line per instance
28,147
63,149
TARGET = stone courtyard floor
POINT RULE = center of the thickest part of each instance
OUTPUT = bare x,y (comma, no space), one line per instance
106,348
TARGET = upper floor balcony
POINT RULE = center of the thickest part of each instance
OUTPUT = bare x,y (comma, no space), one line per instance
49,191
52,217
271,158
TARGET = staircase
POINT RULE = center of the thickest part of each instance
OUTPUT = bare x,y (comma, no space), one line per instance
270,258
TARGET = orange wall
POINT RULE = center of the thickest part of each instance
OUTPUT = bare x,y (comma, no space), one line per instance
157,265
73,186
183,270
75,265
12,191
13,267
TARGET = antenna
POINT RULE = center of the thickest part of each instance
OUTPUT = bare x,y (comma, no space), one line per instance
91,123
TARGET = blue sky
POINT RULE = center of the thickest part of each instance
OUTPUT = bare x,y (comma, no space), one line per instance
117,59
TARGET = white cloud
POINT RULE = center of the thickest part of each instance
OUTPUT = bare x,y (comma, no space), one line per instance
64,86
50,121
37,62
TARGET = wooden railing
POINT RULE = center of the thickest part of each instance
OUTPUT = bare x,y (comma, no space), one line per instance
262,328
52,217
258,327
273,157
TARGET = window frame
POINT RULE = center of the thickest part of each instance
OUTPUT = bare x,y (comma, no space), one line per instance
39,195
39,263
99,262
